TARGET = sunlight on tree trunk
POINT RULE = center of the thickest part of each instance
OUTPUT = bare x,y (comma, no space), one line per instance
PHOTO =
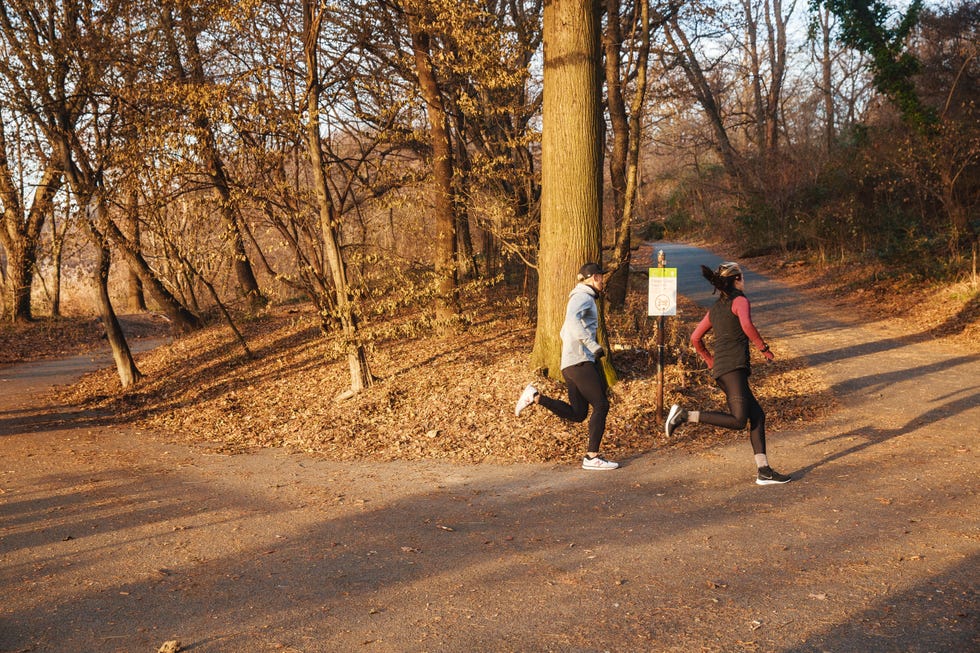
447,292
617,286
329,224
20,234
135,299
121,354
571,166
211,159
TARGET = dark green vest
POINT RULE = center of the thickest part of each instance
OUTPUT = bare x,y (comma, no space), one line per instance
731,345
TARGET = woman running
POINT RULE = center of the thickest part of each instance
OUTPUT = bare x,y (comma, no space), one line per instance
580,356
731,319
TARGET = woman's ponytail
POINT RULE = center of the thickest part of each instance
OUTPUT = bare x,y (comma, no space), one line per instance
723,284
708,274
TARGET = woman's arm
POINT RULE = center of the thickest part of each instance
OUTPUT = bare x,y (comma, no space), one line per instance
696,340
581,320
742,308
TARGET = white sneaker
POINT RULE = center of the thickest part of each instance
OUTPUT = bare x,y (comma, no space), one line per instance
675,418
527,398
598,463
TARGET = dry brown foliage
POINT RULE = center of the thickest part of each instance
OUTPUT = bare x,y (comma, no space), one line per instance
448,398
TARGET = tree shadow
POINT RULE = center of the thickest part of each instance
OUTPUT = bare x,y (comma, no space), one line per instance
502,563
871,436
941,613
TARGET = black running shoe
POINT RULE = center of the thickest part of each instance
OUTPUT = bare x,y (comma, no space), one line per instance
675,418
769,477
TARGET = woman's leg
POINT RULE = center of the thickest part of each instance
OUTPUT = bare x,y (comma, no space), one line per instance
575,410
757,425
590,384
743,409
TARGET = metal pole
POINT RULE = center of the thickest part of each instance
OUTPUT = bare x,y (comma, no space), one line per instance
661,262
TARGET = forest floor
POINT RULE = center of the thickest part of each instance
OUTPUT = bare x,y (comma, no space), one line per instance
230,503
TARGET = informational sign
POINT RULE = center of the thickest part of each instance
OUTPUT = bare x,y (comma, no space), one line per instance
663,291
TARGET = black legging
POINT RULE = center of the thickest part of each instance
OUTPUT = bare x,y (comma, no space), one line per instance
586,386
743,406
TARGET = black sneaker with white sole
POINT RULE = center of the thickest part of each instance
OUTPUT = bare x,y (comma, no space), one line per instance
675,418
767,476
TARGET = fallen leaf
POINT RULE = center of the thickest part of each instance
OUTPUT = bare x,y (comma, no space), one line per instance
171,646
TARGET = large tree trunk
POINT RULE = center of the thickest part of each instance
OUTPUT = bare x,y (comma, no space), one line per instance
329,222
19,277
571,166
447,288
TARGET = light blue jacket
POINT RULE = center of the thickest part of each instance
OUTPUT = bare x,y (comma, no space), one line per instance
578,333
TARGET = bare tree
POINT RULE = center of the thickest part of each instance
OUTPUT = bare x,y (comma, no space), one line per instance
181,37
20,229
329,218
626,129
447,282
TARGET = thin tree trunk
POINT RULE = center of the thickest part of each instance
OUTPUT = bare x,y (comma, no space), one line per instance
183,320
465,261
730,158
215,168
827,79
613,42
447,289
136,300
618,280
94,216
329,223
57,254
121,354
618,283
776,26
755,72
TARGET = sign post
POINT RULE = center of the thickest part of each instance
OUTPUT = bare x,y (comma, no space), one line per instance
662,302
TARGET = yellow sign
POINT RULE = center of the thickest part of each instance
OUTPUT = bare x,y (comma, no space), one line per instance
663,291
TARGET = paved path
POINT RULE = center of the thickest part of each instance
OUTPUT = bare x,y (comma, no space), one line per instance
113,540
906,380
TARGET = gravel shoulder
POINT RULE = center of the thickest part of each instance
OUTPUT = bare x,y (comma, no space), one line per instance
114,539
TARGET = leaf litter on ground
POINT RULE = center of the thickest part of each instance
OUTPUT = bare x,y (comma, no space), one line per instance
446,397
